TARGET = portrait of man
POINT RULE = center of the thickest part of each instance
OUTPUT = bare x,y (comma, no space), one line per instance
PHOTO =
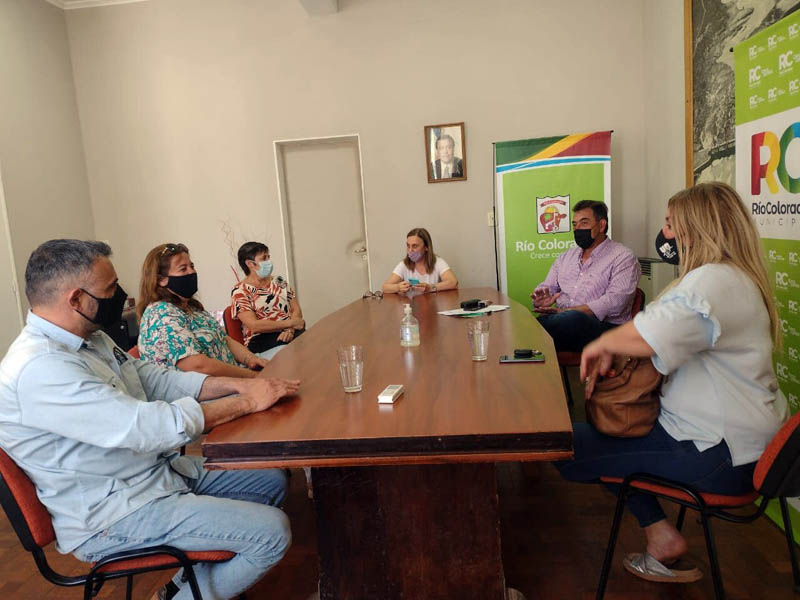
445,152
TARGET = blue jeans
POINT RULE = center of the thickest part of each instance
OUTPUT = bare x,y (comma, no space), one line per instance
226,510
571,330
658,453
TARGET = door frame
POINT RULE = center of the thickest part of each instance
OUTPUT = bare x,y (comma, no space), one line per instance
278,146
7,227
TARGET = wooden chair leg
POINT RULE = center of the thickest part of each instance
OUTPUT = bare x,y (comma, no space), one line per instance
787,528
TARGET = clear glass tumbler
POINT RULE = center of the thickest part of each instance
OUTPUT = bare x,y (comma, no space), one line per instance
351,367
478,338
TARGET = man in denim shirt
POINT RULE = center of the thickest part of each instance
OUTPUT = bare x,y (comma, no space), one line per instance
95,430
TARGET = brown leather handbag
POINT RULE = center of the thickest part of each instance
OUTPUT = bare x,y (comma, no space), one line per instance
627,404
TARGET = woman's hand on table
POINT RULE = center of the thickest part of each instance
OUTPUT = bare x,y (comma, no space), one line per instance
403,286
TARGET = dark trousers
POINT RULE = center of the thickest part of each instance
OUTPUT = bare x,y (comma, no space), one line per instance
265,341
599,455
571,330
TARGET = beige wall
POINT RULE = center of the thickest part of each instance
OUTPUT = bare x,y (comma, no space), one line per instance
180,101
41,152
664,111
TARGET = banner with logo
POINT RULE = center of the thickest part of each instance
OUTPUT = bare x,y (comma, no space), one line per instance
767,75
537,182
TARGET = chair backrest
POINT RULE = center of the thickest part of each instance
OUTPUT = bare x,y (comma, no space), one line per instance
638,302
27,514
233,326
134,352
778,470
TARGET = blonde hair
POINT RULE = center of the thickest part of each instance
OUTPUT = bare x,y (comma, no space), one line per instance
156,265
711,225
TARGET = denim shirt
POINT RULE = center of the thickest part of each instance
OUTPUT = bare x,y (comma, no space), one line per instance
93,428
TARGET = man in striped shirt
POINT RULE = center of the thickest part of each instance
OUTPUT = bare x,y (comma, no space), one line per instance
590,287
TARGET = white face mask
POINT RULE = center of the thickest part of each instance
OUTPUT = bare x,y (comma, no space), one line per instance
264,269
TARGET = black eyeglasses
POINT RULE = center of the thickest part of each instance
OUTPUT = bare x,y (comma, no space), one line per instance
173,249
368,294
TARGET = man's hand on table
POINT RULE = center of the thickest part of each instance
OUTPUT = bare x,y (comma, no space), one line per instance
250,395
262,392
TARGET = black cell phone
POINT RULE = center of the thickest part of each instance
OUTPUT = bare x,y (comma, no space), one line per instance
535,357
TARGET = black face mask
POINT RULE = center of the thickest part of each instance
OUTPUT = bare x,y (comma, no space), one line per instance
583,237
667,249
183,285
109,310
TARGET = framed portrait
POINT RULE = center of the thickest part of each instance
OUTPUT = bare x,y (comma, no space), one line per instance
446,152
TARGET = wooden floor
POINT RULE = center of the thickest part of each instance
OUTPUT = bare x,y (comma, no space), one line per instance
554,535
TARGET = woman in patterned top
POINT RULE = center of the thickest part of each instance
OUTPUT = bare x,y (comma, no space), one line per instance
267,307
174,330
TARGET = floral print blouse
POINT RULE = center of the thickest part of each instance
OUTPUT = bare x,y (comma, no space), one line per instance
167,334
271,302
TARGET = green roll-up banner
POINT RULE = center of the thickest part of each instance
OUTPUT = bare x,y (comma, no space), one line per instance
767,76
537,182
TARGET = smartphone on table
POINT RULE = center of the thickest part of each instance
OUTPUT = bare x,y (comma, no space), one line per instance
523,355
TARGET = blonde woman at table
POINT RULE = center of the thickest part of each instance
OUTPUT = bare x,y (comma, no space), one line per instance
421,270
711,335
174,329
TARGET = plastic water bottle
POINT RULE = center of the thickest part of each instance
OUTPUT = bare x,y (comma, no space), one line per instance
409,328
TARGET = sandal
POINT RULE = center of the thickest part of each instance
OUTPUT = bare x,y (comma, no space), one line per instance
645,566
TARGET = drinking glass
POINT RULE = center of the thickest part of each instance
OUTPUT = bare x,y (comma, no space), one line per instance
478,338
351,367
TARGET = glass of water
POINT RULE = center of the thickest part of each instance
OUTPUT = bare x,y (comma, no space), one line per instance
351,367
478,338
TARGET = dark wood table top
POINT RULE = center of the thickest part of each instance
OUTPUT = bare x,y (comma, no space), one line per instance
452,410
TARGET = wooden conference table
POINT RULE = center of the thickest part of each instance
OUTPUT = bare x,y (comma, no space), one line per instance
405,494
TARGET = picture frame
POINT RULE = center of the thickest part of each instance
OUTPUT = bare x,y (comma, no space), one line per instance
445,152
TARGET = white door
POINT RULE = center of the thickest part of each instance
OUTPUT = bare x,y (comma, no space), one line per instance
10,309
323,212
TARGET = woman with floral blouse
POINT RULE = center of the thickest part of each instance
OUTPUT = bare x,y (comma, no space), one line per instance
174,329
267,307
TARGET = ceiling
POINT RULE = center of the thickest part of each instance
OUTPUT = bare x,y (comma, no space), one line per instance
72,4
312,7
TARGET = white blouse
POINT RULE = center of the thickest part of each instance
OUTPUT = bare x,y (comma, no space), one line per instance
439,268
711,337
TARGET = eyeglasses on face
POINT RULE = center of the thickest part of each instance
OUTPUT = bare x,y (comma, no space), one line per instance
368,294
171,249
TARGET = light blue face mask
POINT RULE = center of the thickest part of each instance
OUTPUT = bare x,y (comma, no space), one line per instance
265,269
